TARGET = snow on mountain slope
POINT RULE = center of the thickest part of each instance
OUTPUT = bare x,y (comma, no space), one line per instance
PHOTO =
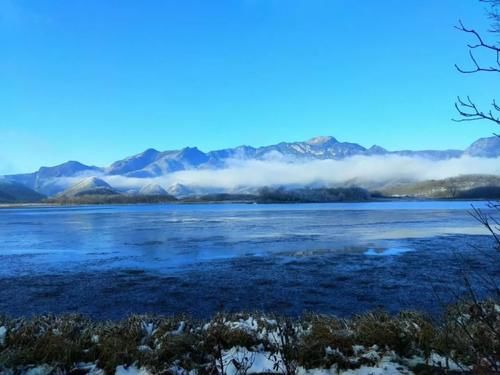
153,164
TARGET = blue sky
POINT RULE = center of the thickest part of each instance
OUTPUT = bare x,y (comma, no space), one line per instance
95,81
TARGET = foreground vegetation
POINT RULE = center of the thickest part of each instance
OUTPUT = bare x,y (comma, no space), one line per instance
466,340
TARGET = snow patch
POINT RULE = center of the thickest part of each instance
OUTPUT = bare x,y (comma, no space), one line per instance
131,370
3,335
252,362
90,368
145,349
39,370
386,366
249,325
440,361
179,331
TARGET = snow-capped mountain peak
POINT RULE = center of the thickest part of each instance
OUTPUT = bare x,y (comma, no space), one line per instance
321,140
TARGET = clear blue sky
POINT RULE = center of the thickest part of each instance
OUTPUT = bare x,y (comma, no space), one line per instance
95,80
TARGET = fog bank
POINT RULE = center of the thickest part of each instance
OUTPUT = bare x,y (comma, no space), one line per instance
357,169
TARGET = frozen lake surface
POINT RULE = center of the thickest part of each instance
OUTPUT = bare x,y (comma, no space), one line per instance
342,258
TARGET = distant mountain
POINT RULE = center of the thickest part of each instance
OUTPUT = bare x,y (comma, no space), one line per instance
14,192
466,187
152,189
485,147
152,163
133,163
89,186
315,148
429,154
93,190
47,180
376,150
179,190
68,169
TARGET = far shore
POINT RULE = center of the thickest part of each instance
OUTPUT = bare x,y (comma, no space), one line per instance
191,201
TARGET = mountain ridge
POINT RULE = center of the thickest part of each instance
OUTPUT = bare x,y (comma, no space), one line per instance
88,186
14,192
154,163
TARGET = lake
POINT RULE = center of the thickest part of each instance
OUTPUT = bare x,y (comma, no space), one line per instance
339,258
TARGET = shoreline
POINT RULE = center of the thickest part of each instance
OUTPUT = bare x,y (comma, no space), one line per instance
218,202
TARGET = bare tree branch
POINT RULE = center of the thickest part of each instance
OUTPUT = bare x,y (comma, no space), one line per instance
493,14
479,44
470,112
485,220
467,109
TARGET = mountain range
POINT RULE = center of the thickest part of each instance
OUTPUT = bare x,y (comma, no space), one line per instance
51,181
13,192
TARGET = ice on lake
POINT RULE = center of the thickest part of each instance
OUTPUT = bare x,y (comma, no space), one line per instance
341,258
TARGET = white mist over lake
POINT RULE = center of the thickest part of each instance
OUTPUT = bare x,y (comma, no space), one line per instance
362,170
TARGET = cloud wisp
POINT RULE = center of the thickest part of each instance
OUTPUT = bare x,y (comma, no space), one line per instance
360,170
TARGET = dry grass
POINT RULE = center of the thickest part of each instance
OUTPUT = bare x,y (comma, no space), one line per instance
326,332
313,341
405,333
471,334
61,341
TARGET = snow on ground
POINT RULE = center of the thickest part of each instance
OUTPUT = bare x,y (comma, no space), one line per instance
3,335
149,329
439,361
39,370
386,366
249,325
253,362
90,368
238,360
180,330
131,370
